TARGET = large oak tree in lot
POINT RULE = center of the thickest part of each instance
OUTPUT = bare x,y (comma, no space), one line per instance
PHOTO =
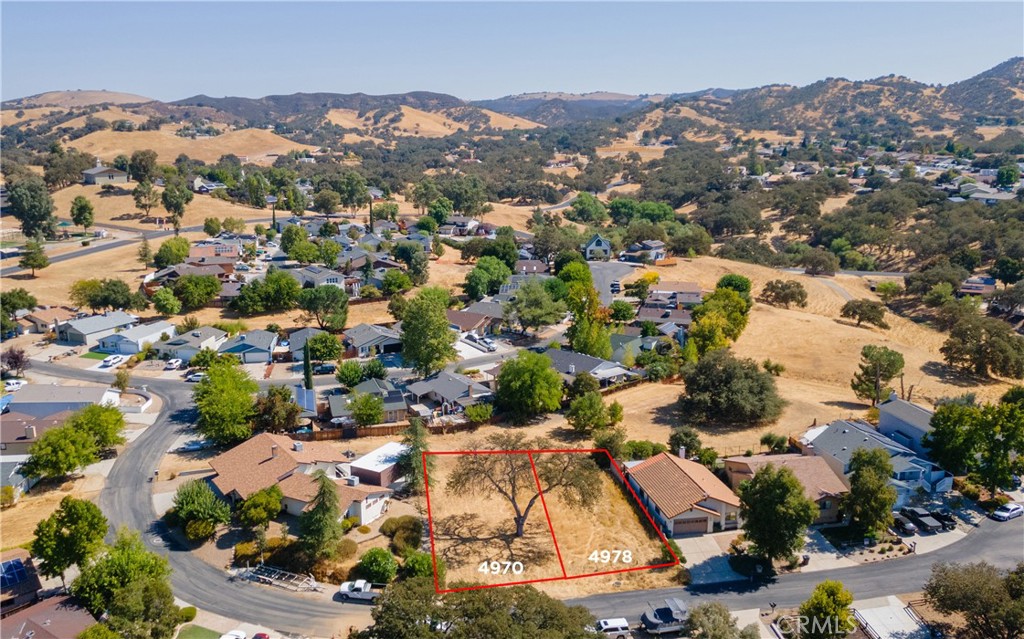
985,346
776,512
990,601
721,389
575,476
528,386
68,537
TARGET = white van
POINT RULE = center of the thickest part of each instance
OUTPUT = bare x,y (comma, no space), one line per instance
614,628
113,360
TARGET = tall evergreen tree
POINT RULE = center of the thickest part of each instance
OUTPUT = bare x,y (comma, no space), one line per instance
319,526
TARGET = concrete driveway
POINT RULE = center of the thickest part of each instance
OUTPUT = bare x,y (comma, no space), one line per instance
604,273
706,561
824,555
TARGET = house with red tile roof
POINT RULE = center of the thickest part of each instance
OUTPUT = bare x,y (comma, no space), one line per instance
267,460
683,497
821,484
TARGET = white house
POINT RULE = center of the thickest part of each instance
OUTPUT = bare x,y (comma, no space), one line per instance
89,331
597,248
131,341
186,345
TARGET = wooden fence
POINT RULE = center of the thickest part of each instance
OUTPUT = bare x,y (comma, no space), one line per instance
383,430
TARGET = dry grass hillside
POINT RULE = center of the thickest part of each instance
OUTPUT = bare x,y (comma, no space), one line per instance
421,123
819,349
10,116
258,145
111,114
81,98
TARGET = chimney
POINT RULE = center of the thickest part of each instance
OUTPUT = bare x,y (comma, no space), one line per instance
30,432
682,452
99,163
273,451
470,387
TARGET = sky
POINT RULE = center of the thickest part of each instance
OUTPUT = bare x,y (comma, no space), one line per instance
479,50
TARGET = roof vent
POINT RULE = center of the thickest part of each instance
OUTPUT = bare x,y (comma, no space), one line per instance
195,333
297,446
846,430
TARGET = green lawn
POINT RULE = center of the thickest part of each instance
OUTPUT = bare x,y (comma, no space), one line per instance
92,355
197,632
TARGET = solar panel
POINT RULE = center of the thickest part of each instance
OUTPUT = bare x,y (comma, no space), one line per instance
13,573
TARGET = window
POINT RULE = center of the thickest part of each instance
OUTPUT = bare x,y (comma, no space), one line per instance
826,504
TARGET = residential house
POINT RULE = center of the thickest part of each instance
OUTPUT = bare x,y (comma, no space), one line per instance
207,249
426,240
449,391
11,475
57,617
266,460
683,496
202,185
133,340
821,484
645,251
396,407
297,341
229,292
379,467
463,225
681,318
19,431
597,248
674,295
570,364
254,347
369,340
88,331
46,319
100,174
977,285
185,346
530,267
21,583
43,400
626,347
836,442
479,323
905,423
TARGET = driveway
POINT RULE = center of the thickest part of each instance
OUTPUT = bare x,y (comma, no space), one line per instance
605,273
706,561
823,555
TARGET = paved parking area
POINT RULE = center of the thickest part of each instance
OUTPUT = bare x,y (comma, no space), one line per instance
889,619
604,273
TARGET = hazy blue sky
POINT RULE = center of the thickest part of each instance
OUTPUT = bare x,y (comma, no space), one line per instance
480,50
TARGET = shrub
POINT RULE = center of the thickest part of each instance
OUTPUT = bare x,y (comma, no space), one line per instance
377,565
346,548
346,526
666,556
406,533
6,496
187,614
479,413
970,491
364,529
199,529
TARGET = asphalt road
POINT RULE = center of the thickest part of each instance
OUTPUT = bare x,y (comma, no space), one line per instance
126,501
999,543
604,273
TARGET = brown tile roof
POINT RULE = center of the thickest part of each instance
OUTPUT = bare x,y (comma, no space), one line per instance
53,618
676,287
301,487
249,467
466,320
53,315
677,485
13,424
813,472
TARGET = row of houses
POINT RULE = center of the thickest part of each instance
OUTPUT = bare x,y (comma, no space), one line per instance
686,498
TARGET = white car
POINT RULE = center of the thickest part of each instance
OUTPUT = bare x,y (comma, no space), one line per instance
1007,512
113,360
13,385
172,365
196,377
234,634
614,628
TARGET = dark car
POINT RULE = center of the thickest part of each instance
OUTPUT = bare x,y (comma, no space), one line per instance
324,369
902,524
945,518
922,519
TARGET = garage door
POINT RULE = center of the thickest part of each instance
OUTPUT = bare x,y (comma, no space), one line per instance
690,526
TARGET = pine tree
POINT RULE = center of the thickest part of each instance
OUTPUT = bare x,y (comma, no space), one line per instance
145,254
34,256
320,528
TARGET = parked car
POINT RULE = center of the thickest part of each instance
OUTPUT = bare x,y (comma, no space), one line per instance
172,365
112,360
13,385
360,589
324,369
261,635
922,519
234,634
663,619
903,524
193,445
195,377
489,344
616,286
617,628
945,518
1007,512
472,337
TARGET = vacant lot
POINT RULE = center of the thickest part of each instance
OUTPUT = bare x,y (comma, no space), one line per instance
257,145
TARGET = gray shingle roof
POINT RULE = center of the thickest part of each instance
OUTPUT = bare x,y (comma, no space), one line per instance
297,340
907,412
259,340
196,337
450,386
364,334
97,323
841,437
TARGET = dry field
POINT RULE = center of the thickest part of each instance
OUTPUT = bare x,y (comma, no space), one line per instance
10,116
118,208
502,121
18,523
429,124
110,115
257,145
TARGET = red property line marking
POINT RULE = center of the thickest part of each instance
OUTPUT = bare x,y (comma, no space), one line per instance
618,471
554,539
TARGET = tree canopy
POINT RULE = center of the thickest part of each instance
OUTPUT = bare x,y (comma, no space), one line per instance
528,386
725,390
775,511
427,339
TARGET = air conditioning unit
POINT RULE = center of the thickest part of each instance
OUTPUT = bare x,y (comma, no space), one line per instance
352,481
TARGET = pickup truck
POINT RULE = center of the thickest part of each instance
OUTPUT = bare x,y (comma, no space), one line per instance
920,516
669,617
945,518
360,589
